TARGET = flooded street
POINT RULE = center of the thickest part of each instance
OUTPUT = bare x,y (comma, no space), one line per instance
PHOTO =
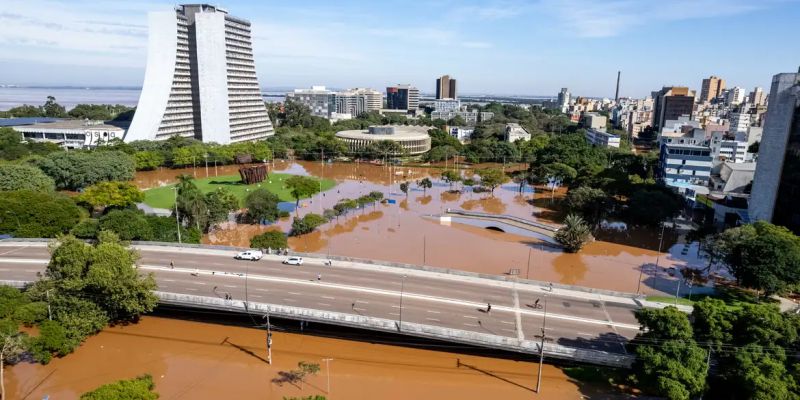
194,360
409,232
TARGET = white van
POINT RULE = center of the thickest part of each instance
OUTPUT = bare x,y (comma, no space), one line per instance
252,255
293,261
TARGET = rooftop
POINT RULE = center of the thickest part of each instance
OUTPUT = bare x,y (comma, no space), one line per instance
73,124
387,132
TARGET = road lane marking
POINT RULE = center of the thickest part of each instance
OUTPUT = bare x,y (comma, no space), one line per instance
262,290
585,334
168,280
394,313
395,306
257,296
192,289
359,309
329,297
470,317
433,319
362,302
324,304
507,322
475,325
295,293
433,312
200,283
230,286
292,300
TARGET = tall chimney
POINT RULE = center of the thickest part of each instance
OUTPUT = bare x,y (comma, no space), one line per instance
616,94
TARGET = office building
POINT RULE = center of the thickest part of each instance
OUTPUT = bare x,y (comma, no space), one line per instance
446,88
402,97
563,99
461,133
686,168
726,148
671,103
413,139
357,101
602,138
446,105
712,88
739,122
776,186
200,81
470,117
318,99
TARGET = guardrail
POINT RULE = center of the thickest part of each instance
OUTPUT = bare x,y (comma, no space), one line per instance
406,328
539,225
440,270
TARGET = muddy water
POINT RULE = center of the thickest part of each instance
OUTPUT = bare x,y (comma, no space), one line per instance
192,360
405,232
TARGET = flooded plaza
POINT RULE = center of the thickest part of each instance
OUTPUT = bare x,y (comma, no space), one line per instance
408,230
195,360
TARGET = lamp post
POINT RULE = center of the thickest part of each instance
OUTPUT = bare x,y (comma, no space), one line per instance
269,338
177,219
328,372
541,348
205,156
402,289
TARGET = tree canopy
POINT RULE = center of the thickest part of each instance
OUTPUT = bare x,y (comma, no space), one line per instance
111,194
78,169
24,177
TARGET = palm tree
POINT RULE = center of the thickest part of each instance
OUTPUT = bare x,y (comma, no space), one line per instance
575,233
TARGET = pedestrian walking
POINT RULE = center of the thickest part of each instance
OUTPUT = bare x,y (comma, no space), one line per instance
319,277
488,307
171,264
536,303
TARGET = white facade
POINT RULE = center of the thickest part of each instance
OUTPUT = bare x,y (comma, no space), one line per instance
724,149
516,132
461,133
200,79
357,101
318,99
601,138
740,122
736,96
72,134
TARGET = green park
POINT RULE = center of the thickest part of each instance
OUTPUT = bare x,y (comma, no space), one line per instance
164,196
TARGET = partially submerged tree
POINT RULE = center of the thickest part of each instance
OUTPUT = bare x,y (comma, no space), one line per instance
574,234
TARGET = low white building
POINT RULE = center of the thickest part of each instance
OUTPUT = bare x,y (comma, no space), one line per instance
603,139
727,149
592,120
72,133
414,140
461,133
516,132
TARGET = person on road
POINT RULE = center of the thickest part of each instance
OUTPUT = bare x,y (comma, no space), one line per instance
319,277
488,307
536,303
171,264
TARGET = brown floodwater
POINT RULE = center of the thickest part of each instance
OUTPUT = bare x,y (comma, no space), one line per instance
194,360
406,232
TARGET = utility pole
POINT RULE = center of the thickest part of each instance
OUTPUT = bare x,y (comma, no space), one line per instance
177,220
658,255
528,272
424,249
328,372
541,349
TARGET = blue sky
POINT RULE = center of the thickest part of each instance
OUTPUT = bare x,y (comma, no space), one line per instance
490,46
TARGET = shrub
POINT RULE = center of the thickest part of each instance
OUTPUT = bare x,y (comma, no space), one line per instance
128,224
270,239
86,229
26,213
24,177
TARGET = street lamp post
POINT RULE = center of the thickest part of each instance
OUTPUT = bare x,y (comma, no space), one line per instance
205,156
402,289
528,271
177,219
269,339
328,372
541,348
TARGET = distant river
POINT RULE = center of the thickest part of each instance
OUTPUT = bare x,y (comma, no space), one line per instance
69,97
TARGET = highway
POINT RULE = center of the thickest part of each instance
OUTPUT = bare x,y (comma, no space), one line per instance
573,318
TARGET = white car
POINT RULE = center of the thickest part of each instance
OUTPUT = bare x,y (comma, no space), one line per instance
252,255
294,261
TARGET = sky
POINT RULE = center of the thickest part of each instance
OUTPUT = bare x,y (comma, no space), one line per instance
532,47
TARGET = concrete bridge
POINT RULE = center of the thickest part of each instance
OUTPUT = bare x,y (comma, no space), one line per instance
581,324
504,223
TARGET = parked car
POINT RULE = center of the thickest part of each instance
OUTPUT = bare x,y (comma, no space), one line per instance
293,261
252,255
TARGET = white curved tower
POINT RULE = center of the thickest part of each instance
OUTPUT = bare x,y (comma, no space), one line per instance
200,79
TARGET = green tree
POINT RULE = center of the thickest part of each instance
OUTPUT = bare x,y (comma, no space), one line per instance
111,194
140,388
404,188
713,322
86,229
191,203
261,205
575,233
491,178
761,256
269,239
128,224
25,213
77,169
591,204
759,372
24,177
306,224
652,206
220,203
12,347
53,109
52,340
425,184
450,177
148,160
165,229
302,187
676,366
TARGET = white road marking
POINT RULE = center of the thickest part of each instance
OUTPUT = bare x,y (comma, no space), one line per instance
434,312
230,286
201,283
585,334
291,300
262,290
394,313
395,306
359,309
329,297
433,319
168,280
475,325
192,289
470,317
362,302
324,304
258,296
295,293
507,322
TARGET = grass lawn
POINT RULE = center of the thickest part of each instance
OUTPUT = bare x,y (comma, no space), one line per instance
164,197
670,300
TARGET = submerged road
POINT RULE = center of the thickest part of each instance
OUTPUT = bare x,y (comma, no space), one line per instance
573,318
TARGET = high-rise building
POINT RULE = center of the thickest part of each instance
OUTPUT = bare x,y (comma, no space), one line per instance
446,88
776,185
318,99
735,96
402,97
200,80
671,103
712,88
739,122
563,99
757,97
